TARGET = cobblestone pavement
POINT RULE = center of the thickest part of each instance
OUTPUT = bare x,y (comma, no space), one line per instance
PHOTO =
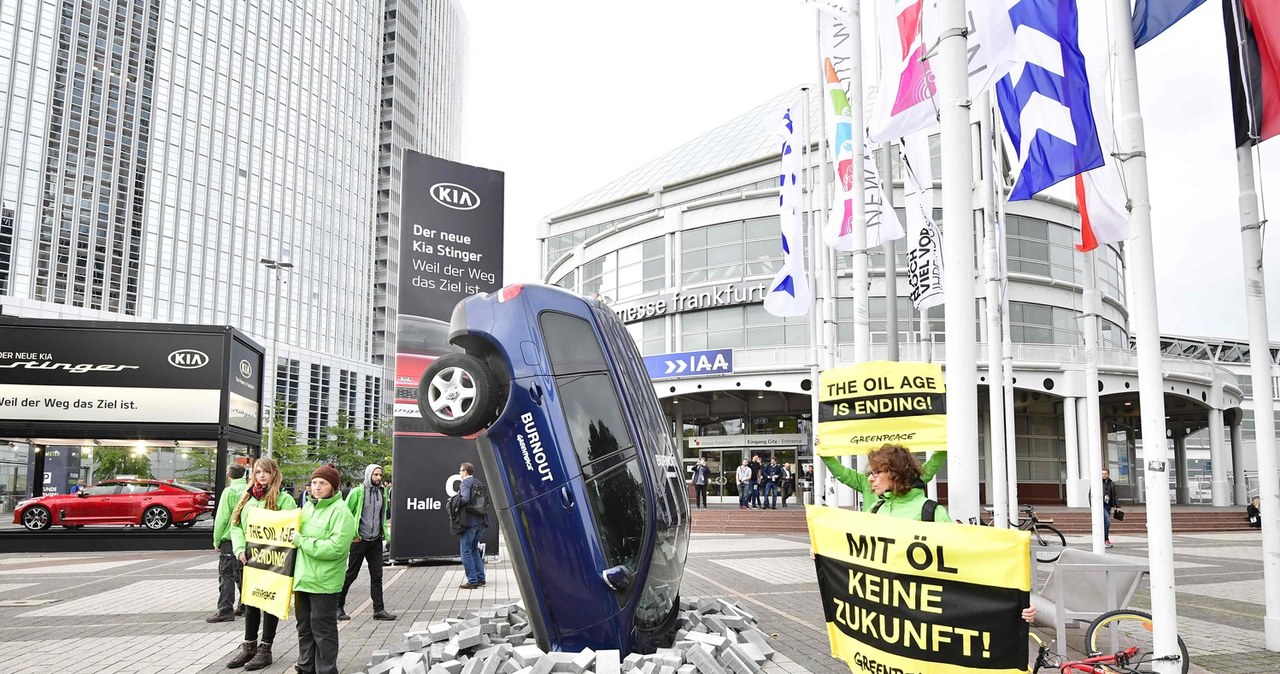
144,612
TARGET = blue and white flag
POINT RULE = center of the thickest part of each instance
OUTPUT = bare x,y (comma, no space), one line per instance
1152,17
1044,99
789,293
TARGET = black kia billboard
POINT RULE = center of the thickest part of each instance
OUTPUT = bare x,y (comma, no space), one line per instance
451,219
91,379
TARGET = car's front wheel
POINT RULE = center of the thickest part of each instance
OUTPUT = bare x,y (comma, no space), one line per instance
156,518
458,395
37,518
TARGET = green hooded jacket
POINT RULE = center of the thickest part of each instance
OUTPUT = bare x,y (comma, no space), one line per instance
226,504
355,503
283,502
909,505
859,482
324,542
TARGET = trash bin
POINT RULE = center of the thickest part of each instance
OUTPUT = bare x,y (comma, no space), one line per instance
808,497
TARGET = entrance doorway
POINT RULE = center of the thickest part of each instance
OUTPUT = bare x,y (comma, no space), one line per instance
724,464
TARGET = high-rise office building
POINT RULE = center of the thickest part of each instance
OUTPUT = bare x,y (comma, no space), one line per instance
153,153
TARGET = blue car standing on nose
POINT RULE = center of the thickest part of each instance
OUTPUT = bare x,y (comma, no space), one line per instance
583,473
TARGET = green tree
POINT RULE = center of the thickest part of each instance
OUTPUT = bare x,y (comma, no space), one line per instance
350,449
112,461
293,457
201,466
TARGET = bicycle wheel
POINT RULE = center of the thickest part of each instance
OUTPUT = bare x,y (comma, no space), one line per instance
1047,543
1122,629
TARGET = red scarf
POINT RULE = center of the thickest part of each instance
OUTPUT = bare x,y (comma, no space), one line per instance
259,491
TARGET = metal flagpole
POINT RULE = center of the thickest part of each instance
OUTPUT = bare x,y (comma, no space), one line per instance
815,323
1263,405
1006,344
958,263
816,216
890,258
997,488
1146,324
1093,419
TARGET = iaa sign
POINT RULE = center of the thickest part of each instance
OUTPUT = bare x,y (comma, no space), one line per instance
689,363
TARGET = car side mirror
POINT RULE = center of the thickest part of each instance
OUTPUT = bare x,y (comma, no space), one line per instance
617,578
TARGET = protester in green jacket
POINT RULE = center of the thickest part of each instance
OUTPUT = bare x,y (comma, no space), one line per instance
370,505
324,543
858,482
263,493
229,569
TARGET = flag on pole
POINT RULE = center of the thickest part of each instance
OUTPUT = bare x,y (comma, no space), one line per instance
1152,17
789,293
924,240
1100,193
1253,60
1045,101
908,29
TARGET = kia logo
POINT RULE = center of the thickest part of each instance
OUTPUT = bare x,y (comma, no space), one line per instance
188,359
454,196
245,368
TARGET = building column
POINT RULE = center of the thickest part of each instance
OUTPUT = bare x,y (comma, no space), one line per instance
1070,426
1237,459
1218,461
1180,467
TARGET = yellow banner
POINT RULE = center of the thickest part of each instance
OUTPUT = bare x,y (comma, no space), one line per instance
922,597
867,405
268,576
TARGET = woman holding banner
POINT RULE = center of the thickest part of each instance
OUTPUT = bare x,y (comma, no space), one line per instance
324,542
264,493
860,483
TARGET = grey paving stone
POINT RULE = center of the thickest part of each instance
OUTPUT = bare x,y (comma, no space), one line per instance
608,661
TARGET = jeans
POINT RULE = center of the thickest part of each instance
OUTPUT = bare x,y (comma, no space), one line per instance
755,493
771,495
317,632
744,494
230,572
701,491
469,550
1106,524
252,616
370,552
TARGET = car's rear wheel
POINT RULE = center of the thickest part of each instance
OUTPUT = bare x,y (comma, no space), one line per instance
37,518
458,395
156,518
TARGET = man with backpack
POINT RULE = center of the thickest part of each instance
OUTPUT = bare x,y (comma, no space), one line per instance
473,497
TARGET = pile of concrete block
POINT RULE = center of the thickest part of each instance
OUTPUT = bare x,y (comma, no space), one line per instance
713,636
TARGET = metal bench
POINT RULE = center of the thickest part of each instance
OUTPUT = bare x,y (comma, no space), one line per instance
1082,586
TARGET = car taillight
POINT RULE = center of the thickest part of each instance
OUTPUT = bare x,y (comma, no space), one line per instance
509,292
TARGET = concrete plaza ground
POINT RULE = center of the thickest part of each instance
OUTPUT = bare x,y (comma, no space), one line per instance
144,612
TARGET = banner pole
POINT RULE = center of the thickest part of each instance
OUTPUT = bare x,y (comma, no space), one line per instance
1093,419
997,488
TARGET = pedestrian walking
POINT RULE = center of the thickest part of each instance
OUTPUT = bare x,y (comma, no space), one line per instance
265,492
701,476
229,568
771,479
754,483
1108,504
788,482
743,475
368,504
469,493
323,542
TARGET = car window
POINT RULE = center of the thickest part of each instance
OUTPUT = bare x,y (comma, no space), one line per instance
618,506
187,487
106,489
594,419
571,343
138,488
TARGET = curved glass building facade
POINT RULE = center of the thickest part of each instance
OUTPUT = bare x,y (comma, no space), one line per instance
683,249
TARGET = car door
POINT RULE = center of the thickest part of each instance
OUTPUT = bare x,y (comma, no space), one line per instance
134,498
98,505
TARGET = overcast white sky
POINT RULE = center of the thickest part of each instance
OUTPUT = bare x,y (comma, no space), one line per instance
566,95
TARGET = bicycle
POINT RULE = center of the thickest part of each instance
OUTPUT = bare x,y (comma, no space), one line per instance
1045,538
1129,649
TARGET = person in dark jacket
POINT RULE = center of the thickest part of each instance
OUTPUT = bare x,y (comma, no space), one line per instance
369,506
1254,512
475,524
1108,504
771,479
701,477
756,466
230,570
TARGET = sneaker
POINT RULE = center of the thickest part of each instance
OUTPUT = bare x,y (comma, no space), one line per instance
220,618
342,614
1107,543
742,507
383,615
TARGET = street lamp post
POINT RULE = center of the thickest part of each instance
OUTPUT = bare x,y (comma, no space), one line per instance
275,266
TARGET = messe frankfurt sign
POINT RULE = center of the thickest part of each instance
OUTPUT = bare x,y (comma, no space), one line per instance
708,297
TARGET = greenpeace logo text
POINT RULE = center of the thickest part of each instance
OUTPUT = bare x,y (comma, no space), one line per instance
454,196
78,368
188,359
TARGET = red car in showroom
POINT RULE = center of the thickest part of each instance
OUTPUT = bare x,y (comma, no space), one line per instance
150,503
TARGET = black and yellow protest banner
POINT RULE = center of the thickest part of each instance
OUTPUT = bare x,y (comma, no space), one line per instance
268,575
912,597
864,406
